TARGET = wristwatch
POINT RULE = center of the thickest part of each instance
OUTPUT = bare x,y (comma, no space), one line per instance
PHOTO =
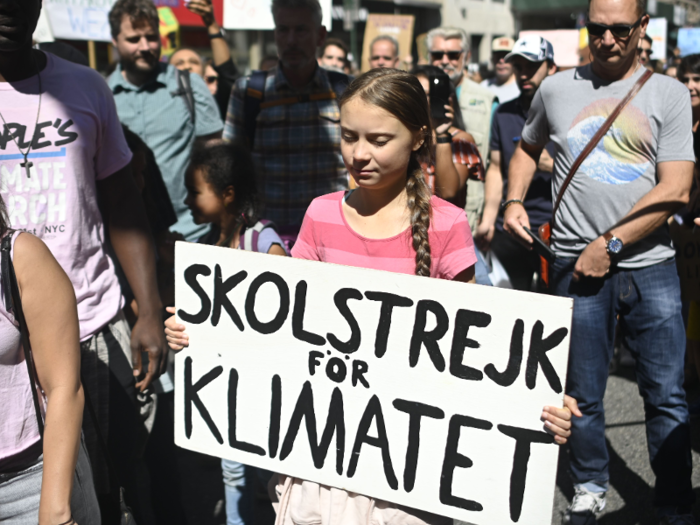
220,34
613,245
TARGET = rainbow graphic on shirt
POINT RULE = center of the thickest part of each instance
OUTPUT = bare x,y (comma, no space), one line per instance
624,153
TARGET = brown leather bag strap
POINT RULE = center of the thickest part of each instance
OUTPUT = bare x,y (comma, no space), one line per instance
598,136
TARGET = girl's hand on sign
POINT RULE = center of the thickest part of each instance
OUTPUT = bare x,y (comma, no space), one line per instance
557,421
175,332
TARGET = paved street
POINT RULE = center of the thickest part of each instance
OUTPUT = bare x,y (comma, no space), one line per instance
629,500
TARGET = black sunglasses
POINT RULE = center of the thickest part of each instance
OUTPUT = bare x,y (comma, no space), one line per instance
451,55
617,30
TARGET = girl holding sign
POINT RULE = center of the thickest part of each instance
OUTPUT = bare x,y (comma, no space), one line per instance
390,222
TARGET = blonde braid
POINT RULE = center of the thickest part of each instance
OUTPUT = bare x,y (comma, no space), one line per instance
418,200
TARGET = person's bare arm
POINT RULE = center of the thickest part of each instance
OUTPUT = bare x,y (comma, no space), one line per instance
50,310
220,51
651,212
493,189
521,171
132,242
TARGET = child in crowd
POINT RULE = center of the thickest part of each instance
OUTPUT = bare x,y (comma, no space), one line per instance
221,191
389,222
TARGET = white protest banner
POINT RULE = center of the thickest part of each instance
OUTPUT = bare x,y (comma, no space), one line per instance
421,392
657,30
79,19
256,14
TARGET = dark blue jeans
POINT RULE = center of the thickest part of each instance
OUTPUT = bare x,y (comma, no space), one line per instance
649,305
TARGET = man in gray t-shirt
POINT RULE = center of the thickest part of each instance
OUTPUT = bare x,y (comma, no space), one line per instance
614,252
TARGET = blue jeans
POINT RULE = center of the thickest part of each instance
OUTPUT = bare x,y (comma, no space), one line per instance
481,271
648,303
238,491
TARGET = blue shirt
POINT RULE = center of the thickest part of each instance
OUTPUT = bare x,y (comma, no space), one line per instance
508,123
158,113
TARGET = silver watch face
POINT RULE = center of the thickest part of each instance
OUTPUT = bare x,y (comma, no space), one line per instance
614,246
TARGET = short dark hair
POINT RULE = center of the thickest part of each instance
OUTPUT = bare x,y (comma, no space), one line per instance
337,43
647,38
641,6
136,10
312,5
230,164
689,64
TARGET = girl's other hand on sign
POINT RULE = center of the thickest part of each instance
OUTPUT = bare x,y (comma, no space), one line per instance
558,420
175,332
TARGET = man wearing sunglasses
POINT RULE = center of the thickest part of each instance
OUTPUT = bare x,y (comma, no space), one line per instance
614,252
448,49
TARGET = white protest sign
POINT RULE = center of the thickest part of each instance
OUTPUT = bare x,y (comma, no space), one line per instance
256,14
80,19
657,30
421,392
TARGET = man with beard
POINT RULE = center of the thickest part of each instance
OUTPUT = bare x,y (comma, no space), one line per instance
532,59
63,151
290,118
168,110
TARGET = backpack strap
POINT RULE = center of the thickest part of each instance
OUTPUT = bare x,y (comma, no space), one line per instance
184,88
249,240
254,96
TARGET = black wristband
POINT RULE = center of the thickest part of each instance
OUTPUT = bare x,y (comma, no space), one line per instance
220,34
443,139
510,202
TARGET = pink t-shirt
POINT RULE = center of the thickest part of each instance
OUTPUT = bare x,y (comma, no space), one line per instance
77,142
326,236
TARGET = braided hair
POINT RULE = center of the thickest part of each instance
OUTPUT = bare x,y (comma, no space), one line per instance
402,95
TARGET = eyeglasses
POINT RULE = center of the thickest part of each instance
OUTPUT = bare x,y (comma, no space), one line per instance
211,79
451,55
617,30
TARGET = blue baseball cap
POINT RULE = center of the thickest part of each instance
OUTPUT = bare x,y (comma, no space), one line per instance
533,48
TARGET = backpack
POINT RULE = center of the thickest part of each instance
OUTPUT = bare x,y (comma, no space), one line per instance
184,88
249,239
255,98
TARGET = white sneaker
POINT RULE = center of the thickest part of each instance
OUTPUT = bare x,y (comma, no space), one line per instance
584,507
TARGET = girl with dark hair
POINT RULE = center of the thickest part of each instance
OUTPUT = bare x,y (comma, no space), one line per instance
221,191
389,222
456,157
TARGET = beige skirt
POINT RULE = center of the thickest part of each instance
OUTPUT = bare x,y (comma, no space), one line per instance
299,502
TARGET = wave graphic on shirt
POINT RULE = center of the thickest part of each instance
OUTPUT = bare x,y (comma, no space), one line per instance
623,155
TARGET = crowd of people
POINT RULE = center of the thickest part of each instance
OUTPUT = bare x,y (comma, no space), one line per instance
99,178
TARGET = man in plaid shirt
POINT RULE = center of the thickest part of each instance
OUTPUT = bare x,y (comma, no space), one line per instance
296,139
